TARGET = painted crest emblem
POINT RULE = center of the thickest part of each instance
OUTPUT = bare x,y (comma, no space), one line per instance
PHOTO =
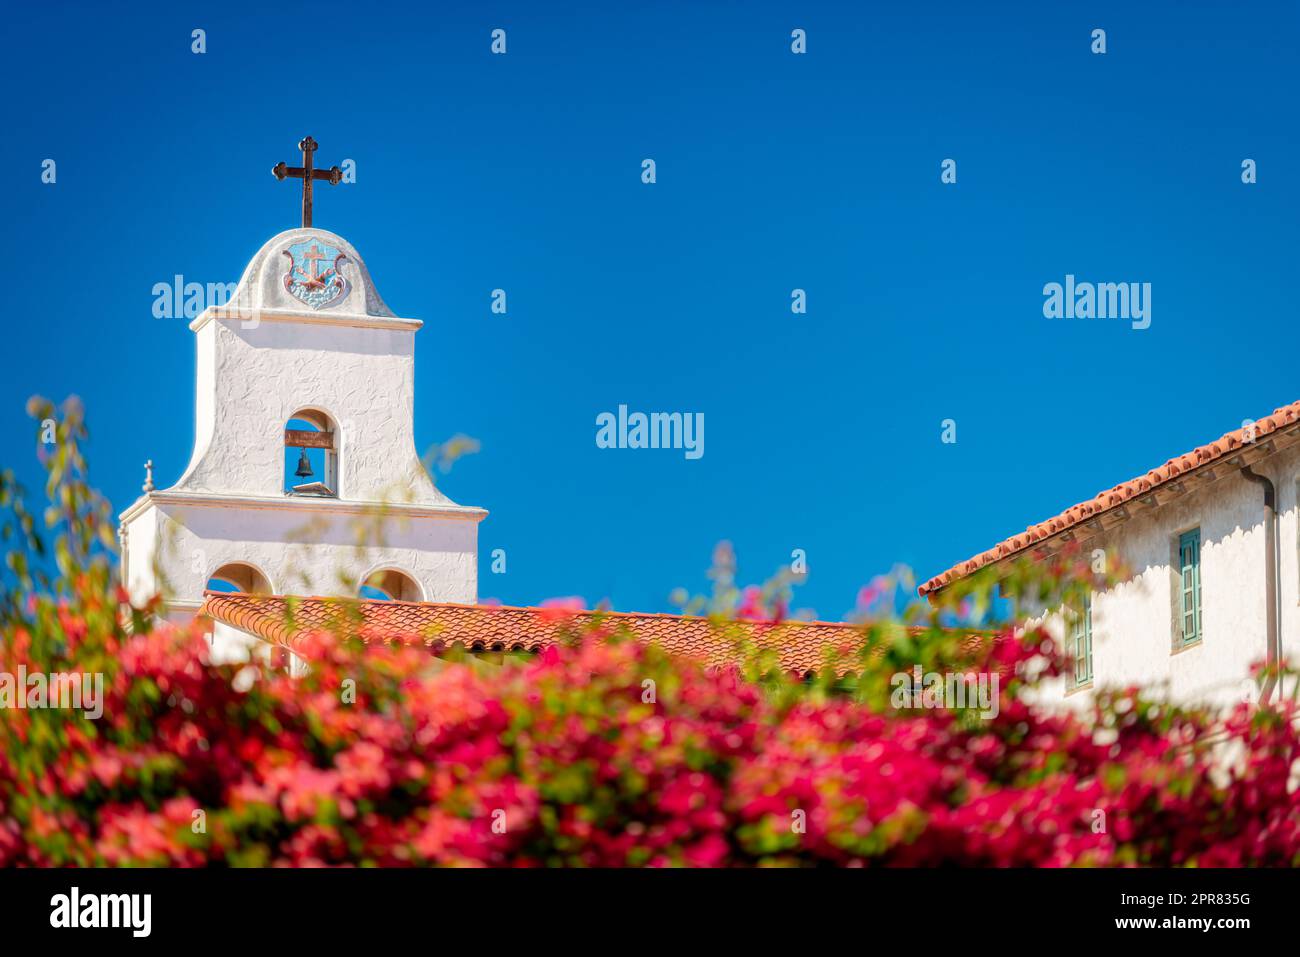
315,275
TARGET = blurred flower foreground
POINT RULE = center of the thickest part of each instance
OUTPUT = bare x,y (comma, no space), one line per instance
599,751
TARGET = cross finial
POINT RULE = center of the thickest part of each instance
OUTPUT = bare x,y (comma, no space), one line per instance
148,477
308,174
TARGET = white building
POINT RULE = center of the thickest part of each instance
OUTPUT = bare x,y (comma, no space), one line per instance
305,358
1211,542
305,480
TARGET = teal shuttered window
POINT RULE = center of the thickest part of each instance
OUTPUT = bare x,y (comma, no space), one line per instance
1081,642
1189,579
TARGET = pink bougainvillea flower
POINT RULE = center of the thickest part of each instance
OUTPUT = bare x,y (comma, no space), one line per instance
560,609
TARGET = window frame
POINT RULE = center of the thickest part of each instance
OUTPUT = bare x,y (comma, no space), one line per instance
1189,578
330,478
1079,634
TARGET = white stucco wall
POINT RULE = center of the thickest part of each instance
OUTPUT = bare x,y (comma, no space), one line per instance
138,550
257,378
1287,480
266,355
229,645
262,358
1134,622
302,547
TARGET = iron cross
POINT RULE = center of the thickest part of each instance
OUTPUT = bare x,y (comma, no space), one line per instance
307,173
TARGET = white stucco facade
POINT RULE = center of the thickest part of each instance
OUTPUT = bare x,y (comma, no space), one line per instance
280,348
1136,626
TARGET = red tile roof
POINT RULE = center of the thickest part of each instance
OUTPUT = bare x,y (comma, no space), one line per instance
800,645
1285,417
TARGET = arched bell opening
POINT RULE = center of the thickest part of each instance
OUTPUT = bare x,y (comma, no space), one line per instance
389,584
311,458
239,578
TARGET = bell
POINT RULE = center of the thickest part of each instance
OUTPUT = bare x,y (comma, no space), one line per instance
304,467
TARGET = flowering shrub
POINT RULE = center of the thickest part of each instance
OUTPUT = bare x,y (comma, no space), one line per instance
563,760
600,752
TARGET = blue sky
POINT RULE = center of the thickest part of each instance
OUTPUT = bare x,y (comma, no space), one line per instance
775,172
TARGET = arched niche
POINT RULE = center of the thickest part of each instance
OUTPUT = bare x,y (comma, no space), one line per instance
311,454
391,584
239,578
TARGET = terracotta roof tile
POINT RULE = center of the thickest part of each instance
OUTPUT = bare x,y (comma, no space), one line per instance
800,645
1287,416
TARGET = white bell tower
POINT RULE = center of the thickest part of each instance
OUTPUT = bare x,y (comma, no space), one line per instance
305,364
